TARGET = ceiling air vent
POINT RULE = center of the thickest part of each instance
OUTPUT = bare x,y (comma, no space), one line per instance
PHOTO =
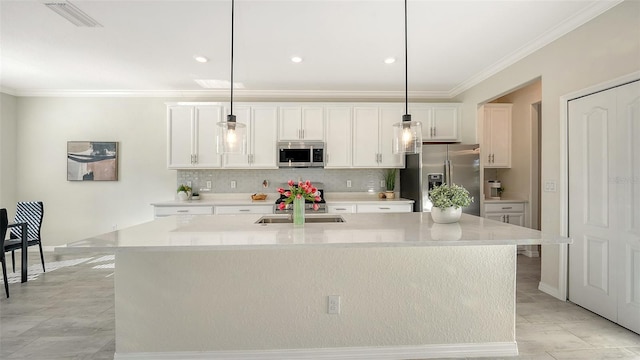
70,12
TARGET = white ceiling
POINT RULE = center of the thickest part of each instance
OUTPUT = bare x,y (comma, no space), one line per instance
147,47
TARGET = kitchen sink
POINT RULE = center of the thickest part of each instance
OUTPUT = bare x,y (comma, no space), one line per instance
308,219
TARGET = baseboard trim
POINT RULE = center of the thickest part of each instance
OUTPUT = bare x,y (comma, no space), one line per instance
550,290
498,349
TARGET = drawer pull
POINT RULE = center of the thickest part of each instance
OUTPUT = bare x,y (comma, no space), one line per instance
507,207
384,208
244,210
183,211
343,209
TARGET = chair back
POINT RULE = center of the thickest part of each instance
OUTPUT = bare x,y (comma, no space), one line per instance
4,221
32,213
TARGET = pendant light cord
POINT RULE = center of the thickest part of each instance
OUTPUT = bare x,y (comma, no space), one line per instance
406,66
232,17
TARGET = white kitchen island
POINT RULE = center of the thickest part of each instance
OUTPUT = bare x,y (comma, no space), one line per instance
224,287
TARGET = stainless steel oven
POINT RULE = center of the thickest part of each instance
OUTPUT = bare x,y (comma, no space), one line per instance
300,154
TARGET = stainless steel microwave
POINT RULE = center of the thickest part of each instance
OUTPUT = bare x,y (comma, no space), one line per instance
300,154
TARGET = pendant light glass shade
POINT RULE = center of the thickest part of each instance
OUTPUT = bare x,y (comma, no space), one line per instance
232,136
407,136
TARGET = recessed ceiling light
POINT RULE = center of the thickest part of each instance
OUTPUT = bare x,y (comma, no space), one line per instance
201,59
390,60
296,59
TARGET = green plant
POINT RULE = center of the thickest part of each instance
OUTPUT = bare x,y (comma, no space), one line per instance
184,188
390,179
445,196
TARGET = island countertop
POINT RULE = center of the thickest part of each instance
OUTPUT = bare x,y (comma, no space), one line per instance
359,230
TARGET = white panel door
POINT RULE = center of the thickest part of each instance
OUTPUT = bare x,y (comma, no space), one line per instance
627,181
338,144
289,123
389,116
312,124
591,196
179,137
445,123
604,204
365,137
264,133
206,129
500,130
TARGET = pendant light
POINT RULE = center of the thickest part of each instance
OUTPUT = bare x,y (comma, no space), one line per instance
232,135
407,134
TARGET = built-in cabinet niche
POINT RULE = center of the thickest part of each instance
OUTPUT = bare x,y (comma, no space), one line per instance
356,135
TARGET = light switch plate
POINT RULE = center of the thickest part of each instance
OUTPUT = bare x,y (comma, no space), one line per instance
550,186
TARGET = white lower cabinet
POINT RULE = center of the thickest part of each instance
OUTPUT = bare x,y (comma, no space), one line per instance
510,213
386,208
161,211
248,209
342,209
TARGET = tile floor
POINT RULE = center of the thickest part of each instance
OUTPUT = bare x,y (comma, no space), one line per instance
68,313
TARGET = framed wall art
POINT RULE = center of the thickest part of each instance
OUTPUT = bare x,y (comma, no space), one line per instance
92,161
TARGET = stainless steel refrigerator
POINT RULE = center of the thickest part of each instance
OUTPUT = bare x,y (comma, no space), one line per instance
441,163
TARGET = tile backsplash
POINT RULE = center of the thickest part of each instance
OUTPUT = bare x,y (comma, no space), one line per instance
250,181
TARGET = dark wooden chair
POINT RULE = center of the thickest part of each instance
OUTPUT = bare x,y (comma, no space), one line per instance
4,221
30,212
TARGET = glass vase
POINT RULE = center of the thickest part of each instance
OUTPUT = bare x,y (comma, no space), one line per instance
298,211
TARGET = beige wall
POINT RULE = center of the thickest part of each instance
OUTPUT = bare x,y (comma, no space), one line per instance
8,123
76,210
605,48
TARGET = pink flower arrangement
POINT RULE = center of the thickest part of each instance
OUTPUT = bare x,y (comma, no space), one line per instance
299,191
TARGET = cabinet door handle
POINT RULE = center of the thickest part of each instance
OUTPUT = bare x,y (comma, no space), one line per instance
380,157
182,211
493,158
303,133
489,158
507,218
435,131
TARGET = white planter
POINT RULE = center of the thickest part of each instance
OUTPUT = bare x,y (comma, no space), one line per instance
183,196
446,216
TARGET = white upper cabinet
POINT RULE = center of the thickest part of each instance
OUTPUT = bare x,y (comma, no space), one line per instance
440,122
261,122
301,123
191,136
496,136
338,146
373,136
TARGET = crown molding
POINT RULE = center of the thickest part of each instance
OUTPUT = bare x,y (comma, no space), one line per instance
543,40
224,94
8,91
